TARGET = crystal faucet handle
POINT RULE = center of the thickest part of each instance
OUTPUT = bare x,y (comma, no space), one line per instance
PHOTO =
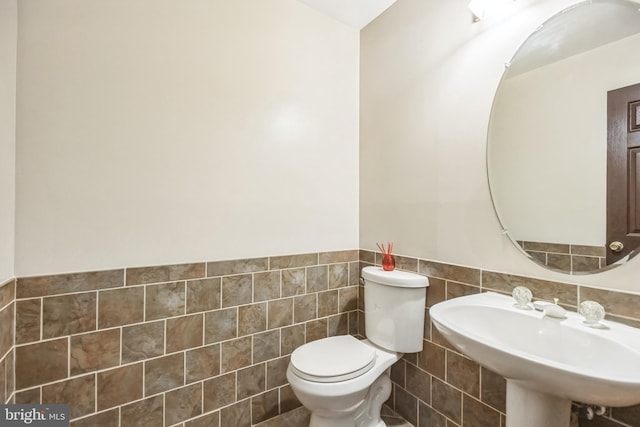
592,312
522,296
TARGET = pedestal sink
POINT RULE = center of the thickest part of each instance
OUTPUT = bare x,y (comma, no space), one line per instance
547,362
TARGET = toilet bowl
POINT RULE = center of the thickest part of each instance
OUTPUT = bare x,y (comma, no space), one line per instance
344,381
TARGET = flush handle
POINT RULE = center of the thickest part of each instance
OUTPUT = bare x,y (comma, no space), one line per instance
616,246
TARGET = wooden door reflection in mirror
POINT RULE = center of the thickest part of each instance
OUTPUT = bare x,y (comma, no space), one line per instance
623,172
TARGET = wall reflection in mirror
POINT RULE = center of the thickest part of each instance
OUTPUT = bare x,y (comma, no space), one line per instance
547,142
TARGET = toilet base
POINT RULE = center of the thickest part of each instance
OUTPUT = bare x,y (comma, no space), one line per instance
365,414
333,422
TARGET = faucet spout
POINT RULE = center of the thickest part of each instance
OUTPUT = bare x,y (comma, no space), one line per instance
551,309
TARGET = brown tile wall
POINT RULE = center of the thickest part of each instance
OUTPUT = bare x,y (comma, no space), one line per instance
441,387
567,257
189,345
7,340
208,343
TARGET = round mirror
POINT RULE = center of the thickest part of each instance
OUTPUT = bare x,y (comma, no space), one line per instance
550,135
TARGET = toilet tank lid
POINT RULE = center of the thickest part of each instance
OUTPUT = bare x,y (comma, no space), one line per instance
403,279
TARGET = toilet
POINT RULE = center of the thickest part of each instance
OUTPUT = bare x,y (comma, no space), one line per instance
344,381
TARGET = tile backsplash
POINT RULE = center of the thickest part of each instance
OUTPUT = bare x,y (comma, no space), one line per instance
208,343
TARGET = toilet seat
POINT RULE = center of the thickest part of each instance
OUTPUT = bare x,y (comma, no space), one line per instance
332,359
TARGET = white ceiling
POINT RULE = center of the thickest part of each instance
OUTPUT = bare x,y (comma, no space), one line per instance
585,26
354,13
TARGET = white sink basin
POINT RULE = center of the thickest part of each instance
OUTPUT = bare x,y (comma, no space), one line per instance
546,359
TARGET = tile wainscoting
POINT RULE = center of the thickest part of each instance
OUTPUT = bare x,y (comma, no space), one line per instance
208,343
189,345
566,257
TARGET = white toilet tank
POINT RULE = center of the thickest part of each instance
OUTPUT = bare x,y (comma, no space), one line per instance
394,306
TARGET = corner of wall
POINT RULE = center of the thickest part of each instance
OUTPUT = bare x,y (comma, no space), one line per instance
8,67
7,340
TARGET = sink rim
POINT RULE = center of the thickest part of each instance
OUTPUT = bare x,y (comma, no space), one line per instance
470,341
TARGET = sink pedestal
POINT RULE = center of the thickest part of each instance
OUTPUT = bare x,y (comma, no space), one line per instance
530,408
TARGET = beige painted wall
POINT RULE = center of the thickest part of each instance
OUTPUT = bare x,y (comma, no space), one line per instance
428,77
156,131
8,43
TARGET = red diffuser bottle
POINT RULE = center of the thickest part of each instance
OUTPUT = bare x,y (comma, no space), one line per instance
388,262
